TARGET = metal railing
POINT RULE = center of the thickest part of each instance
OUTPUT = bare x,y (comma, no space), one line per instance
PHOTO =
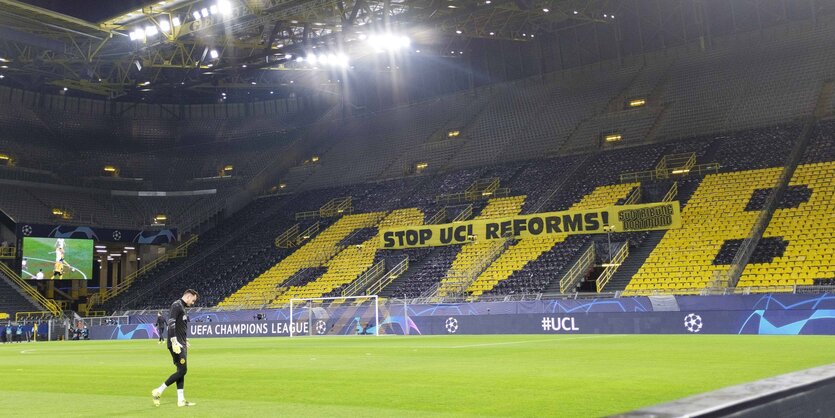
389,277
457,282
28,316
179,252
288,237
672,193
7,253
37,297
570,279
438,217
464,214
361,283
634,196
612,266
746,249
698,169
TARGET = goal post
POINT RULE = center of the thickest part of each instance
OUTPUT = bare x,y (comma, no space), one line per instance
339,315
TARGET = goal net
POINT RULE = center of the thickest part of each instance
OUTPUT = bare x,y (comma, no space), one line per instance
348,315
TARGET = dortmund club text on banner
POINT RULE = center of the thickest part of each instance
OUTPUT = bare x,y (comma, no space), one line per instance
627,218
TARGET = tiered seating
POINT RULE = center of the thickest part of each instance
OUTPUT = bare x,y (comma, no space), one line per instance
474,253
806,225
683,262
515,257
346,266
315,253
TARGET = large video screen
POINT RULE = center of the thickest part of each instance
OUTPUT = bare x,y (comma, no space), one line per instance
57,258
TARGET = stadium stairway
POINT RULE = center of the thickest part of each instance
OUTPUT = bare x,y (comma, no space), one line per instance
525,250
210,246
12,300
472,255
317,252
633,262
638,254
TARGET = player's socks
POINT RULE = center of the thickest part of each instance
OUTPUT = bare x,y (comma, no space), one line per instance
181,399
161,388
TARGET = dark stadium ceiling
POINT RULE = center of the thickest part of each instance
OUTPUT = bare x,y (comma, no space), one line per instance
206,45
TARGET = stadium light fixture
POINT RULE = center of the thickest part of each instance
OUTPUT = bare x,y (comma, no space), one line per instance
204,12
546,10
196,15
213,53
176,21
164,25
130,248
225,7
681,171
98,247
101,251
459,31
213,9
637,102
612,137
2,76
151,31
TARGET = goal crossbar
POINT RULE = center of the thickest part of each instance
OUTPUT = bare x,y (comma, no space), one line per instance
295,303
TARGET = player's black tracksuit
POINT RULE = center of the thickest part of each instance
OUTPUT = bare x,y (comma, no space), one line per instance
177,322
160,327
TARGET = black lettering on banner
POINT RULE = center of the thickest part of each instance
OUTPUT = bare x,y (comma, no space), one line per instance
535,225
446,235
506,225
646,218
461,233
573,222
552,224
400,236
491,230
519,226
411,237
591,221
425,235
388,240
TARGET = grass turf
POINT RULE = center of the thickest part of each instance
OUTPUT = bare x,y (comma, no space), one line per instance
507,375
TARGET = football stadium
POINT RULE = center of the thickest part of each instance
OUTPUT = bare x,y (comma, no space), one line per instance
417,208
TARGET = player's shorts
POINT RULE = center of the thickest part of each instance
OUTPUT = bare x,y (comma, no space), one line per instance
178,359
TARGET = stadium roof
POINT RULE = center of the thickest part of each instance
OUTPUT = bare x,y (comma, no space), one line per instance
203,45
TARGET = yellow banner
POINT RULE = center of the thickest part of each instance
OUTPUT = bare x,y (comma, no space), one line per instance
627,218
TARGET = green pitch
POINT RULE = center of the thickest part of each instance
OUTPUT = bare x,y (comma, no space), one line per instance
519,375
